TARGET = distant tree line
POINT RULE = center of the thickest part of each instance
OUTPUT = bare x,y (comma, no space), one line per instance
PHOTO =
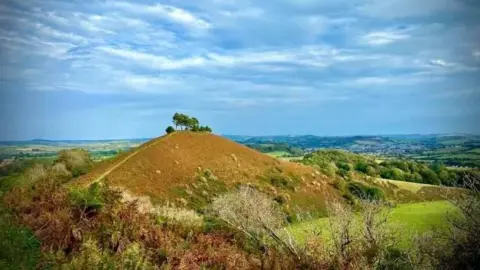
185,122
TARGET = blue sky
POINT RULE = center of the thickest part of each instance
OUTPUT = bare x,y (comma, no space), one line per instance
120,69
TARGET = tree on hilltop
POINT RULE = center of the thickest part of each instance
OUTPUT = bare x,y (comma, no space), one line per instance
186,122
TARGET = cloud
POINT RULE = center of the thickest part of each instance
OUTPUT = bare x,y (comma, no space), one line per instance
289,51
440,63
174,14
392,9
383,37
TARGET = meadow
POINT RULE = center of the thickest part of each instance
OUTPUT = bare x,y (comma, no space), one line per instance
407,220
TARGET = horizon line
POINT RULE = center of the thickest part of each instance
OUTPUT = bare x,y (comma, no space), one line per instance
233,135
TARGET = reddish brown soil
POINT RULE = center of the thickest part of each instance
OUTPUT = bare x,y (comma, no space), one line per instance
160,165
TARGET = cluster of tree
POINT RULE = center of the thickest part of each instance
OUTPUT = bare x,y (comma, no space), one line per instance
186,122
341,162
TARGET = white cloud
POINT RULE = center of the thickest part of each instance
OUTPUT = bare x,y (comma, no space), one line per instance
383,37
265,49
154,61
440,63
171,13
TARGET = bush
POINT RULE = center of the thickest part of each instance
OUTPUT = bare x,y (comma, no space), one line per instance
169,130
77,160
254,214
60,171
281,181
36,172
181,218
92,257
89,200
365,192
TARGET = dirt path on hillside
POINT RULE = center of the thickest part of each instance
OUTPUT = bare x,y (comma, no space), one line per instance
105,174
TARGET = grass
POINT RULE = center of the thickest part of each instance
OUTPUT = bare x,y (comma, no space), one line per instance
474,151
19,249
407,219
410,186
277,154
453,141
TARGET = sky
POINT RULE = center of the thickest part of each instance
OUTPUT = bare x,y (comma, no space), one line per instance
121,69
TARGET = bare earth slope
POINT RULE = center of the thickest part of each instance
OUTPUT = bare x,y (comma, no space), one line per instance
166,167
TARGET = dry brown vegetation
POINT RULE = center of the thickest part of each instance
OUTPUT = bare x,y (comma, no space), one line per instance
102,231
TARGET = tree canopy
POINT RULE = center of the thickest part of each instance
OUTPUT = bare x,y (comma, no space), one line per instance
185,122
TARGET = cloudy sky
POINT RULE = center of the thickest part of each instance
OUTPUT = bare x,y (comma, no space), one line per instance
120,69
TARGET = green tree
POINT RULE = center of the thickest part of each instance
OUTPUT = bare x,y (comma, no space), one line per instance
193,123
169,129
181,120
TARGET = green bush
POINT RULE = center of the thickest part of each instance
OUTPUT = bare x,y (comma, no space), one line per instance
281,181
341,185
90,199
365,192
169,130
77,161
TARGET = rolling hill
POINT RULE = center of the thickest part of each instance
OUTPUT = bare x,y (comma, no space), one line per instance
192,168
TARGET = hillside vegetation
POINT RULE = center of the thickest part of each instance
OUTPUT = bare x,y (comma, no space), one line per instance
342,163
195,200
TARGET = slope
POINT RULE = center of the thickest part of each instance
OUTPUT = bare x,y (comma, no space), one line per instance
193,167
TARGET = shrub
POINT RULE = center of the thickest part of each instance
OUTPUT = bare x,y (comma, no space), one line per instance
458,247
92,257
341,185
59,171
371,171
45,209
36,172
77,160
254,214
88,200
343,166
210,251
169,130
281,181
365,192
178,217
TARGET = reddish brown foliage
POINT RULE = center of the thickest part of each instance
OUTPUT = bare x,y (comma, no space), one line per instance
211,251
45,209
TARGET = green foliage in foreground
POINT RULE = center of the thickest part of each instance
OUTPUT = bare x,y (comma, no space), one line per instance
408,219
19,249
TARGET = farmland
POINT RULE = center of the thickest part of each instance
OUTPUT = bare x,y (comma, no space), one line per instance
407,219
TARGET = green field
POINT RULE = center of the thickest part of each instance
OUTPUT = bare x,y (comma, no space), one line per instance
406,219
